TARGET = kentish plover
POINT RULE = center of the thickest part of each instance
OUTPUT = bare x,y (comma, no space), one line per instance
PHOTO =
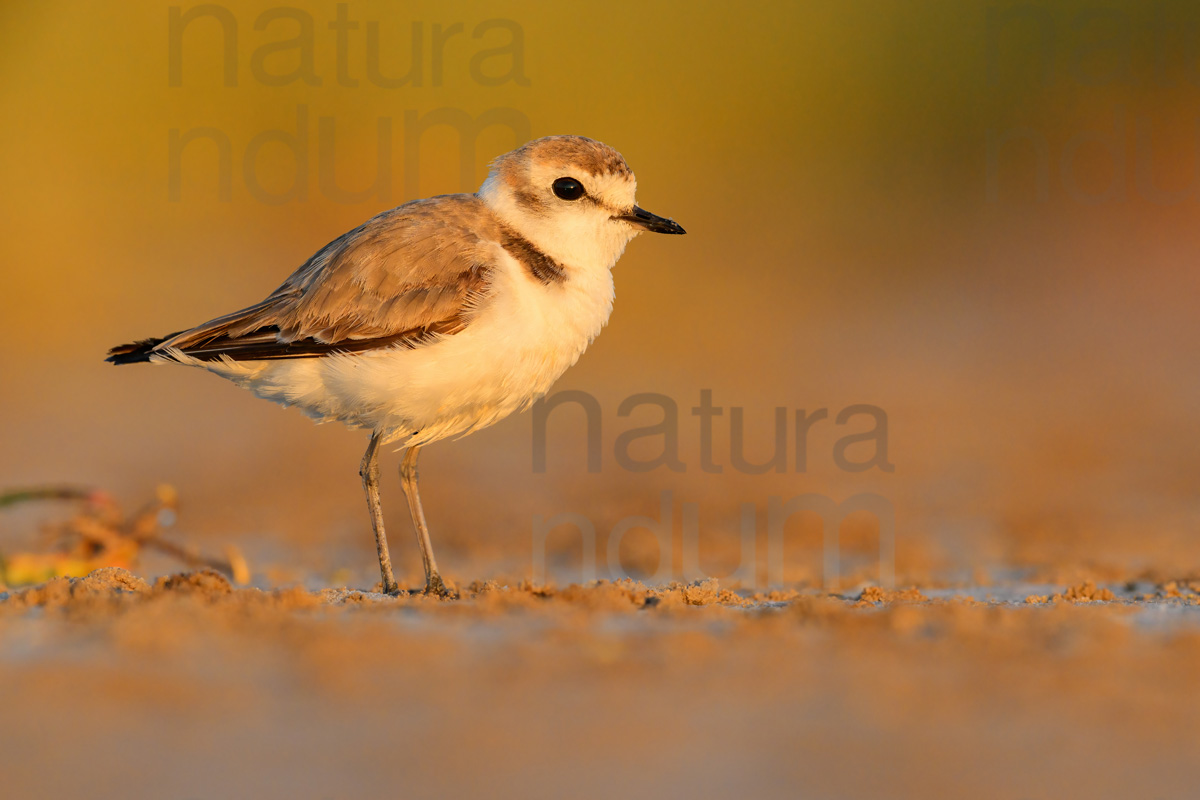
439,317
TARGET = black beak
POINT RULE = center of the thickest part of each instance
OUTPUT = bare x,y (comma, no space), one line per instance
651,222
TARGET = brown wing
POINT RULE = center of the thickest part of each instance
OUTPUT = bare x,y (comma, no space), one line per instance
410,273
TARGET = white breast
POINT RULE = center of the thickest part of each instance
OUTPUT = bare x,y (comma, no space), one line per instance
524,337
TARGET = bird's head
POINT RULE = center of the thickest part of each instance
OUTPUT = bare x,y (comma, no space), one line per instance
572,197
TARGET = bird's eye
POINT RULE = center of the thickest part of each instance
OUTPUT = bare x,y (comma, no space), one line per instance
568,188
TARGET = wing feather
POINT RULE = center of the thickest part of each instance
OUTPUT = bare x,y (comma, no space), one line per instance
402,278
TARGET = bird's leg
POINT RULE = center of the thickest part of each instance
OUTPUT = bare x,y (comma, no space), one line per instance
369,470
408,478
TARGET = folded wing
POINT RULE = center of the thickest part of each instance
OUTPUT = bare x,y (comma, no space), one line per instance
403,278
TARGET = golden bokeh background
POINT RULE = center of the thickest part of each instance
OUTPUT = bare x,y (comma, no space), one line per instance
980,218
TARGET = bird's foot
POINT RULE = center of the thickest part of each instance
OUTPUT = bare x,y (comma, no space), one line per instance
392,588
436,586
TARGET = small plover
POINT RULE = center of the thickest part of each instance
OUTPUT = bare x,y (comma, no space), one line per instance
438,317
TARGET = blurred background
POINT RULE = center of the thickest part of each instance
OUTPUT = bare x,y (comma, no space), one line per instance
979,218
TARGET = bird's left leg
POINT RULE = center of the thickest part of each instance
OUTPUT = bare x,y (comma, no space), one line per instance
408,478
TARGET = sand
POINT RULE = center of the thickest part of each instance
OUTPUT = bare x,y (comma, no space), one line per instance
189,687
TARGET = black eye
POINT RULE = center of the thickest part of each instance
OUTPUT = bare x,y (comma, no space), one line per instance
568,188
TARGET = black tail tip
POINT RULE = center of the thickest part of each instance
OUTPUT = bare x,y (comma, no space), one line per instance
135,353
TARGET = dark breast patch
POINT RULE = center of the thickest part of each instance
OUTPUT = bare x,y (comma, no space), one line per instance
540,265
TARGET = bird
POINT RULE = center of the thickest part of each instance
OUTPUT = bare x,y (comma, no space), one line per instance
438,317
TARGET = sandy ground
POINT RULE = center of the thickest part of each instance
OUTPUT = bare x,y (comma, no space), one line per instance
188,687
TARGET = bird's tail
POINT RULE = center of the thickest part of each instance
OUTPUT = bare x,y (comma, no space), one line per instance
135,353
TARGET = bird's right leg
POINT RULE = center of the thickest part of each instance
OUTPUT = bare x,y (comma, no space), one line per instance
369,470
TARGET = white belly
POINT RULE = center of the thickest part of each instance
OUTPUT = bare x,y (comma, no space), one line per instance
517,346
